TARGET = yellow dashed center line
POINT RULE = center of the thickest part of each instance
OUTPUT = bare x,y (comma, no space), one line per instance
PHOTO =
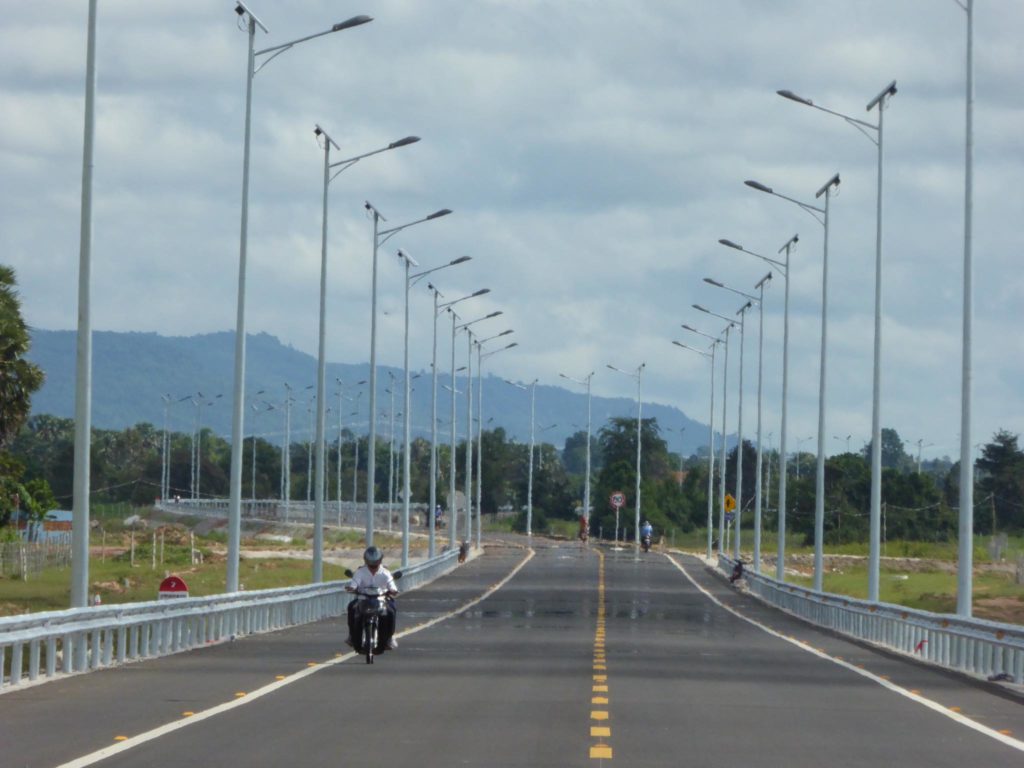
601,750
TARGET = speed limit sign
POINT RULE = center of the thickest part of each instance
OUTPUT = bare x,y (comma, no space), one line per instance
617,499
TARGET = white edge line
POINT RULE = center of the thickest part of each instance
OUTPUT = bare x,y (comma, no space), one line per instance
163,730
933,705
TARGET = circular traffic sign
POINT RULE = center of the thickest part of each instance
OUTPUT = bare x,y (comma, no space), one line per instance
617,499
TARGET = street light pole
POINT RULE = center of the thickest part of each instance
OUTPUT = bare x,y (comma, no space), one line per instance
238,411
433,406
875,514
758,481
480,357
742,312
739,462
711,432
379,238
585,382
780,563
819,495
469,421
83,353
321,395
965,550
410,280
639,441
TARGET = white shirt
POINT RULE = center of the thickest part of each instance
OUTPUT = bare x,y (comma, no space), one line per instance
364,580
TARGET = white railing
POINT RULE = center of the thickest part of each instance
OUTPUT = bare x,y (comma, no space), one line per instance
43,646
977,647
274,510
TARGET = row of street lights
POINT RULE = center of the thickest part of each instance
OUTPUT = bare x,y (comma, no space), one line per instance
875,133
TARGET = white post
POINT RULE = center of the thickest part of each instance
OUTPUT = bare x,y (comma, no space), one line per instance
321,385
452,507
965,551
739,443
479,443
874,525
431,544
711,453
83,370
469,435
406,485
237,407
529,475
371,448
639,442
758,480
819,485
725,442
780,562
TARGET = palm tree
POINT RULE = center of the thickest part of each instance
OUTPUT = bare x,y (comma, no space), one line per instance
19,378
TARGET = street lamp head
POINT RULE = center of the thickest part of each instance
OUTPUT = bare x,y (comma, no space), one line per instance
481,292
506,333
730,244
513,344
889,90
439,214
355,21
403,142
699,308
758,186
409,260
715,283
460,260
493,314
793,97
690,328
833,182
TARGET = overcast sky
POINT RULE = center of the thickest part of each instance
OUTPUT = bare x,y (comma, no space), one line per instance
593,153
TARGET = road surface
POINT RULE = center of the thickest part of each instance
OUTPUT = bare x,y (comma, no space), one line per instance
552,656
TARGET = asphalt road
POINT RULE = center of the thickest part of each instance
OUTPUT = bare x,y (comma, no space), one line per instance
580,656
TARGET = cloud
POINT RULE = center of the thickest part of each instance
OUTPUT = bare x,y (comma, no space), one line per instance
593,155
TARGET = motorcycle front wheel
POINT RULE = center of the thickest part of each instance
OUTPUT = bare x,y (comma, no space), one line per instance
370,638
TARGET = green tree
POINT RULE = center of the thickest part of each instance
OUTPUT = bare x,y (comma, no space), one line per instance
659,492
893,455
19,378
1000,482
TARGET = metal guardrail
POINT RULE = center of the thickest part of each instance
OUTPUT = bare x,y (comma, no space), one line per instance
43,646
273,510
973,646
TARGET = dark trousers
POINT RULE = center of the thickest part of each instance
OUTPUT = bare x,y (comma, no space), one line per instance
386,628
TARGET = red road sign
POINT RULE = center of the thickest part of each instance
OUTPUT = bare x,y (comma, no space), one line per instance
172,587
617,499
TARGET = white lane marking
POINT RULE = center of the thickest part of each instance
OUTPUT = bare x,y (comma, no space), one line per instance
163,730
916,697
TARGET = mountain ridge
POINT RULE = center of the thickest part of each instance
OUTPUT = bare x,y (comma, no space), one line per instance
132,370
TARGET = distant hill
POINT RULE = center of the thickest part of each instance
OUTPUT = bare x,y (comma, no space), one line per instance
132,370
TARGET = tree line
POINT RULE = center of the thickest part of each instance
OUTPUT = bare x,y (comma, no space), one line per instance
126,466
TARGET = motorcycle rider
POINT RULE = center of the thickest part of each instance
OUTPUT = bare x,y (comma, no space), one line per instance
647,532
368,577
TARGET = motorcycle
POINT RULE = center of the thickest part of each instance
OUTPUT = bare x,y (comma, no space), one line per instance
371,608
645,542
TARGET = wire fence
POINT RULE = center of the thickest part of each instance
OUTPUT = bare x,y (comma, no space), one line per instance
23,559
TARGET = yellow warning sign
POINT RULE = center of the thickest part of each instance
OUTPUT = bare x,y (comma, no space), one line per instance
730,503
